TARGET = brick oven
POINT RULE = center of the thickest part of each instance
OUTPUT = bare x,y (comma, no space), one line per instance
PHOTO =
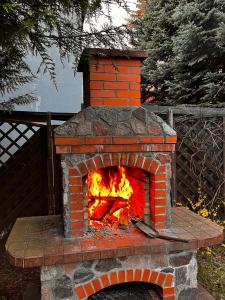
116,165
114,142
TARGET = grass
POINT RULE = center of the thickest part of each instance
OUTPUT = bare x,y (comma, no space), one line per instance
211,270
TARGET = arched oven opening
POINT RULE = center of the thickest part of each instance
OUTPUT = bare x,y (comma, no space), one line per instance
116,195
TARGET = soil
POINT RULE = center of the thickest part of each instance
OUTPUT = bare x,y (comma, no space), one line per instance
17,283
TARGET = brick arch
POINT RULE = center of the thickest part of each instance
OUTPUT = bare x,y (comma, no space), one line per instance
163,280
159,182
137,160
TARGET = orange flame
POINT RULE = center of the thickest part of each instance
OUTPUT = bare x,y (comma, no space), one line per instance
103,209
97,187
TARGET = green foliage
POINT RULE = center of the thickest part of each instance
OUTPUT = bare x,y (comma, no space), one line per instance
35,26
186,44
20,100
211,270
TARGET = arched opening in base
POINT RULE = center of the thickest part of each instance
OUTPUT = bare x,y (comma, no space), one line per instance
131,291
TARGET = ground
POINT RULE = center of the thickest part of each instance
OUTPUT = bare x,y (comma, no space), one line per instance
15,283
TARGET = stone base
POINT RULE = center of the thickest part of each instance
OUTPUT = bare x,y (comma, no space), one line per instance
174,275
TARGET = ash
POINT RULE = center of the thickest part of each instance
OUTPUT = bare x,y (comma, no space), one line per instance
107,231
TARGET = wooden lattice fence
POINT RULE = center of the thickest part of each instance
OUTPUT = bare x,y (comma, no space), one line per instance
13,136
23,171
30,173
199,158
199,162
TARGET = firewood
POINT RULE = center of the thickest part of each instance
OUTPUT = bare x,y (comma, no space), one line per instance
117,205
101,210
124,218
110,198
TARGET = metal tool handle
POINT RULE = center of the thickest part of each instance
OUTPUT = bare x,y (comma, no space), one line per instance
171,238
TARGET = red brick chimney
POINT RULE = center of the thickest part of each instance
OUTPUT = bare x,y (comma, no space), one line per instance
111,77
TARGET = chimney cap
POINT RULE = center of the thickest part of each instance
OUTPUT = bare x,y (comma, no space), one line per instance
110,53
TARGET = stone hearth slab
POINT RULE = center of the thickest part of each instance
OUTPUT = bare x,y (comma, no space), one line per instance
39,241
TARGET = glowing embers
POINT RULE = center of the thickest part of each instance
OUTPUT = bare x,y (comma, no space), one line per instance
115,195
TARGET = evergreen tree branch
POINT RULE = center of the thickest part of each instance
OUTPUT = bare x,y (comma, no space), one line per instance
20,100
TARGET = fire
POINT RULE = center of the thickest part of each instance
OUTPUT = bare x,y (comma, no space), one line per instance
97,187
110,194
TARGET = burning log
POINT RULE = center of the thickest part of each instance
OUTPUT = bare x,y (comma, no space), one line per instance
109,209
101,206
111,219
99,211
118,204
109,198
124,217
109,195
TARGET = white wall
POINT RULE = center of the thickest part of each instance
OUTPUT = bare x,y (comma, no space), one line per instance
68,98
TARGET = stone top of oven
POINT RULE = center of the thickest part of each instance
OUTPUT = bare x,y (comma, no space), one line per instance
115,121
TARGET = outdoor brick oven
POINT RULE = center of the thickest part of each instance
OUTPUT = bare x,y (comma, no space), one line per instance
114,141
116,162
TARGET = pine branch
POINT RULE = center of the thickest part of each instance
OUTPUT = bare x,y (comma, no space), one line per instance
31,26
20,100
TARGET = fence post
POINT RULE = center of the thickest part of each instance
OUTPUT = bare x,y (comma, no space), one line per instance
171,122
224,160
50,167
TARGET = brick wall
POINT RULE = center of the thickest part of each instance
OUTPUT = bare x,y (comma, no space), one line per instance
96,144
117,85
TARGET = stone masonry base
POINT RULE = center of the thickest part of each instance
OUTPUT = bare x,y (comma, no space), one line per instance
174,275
